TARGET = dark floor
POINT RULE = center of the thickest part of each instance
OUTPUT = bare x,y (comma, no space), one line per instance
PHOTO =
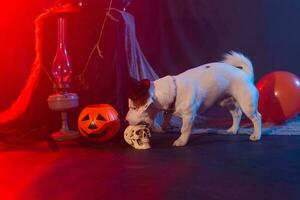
210,167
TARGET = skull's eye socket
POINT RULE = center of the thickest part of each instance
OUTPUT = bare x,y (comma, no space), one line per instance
139,132
147,131
86,118
132,133
99,117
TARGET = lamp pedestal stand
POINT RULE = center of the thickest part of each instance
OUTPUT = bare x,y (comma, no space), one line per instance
62,103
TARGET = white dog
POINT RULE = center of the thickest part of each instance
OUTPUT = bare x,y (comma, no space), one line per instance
229,83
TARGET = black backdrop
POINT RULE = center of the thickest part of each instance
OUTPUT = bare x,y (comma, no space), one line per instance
174,35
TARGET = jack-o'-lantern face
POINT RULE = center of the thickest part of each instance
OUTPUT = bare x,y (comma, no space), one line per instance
98,122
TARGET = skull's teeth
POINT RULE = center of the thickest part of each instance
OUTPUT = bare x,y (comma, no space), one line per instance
139,142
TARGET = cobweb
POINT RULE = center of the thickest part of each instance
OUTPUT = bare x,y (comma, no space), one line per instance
138,66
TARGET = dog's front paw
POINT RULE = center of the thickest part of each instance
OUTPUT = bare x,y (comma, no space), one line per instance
166,127
179,142
156,129
254,137
232,130
169,128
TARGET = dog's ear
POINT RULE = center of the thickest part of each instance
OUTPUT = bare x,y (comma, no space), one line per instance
130,104
144,107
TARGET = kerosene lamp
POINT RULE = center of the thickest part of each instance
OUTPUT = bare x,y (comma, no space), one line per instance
62,101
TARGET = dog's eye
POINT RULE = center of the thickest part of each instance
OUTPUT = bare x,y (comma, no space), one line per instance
132,108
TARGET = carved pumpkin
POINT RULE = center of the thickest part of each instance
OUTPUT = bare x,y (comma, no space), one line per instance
98,122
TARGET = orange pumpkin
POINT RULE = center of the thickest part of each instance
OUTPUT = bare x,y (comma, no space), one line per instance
98,122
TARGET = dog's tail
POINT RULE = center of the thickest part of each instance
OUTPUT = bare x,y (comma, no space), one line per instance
240,61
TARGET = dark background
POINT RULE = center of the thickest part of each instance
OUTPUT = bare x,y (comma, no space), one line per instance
174,34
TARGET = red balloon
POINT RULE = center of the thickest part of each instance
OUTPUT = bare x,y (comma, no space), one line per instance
279,96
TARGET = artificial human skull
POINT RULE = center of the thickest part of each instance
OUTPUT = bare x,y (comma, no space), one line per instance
138,136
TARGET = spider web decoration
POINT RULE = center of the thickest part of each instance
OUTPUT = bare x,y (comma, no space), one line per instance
139,67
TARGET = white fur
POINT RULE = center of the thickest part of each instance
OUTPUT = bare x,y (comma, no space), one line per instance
238,59
198,89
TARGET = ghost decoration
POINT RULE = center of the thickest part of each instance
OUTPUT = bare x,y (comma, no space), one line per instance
138,136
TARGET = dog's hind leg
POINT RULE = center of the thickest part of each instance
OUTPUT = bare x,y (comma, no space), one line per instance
256,120
186,129
235,112
248,105
236,118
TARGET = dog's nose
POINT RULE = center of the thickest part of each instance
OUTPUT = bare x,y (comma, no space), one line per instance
143,123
